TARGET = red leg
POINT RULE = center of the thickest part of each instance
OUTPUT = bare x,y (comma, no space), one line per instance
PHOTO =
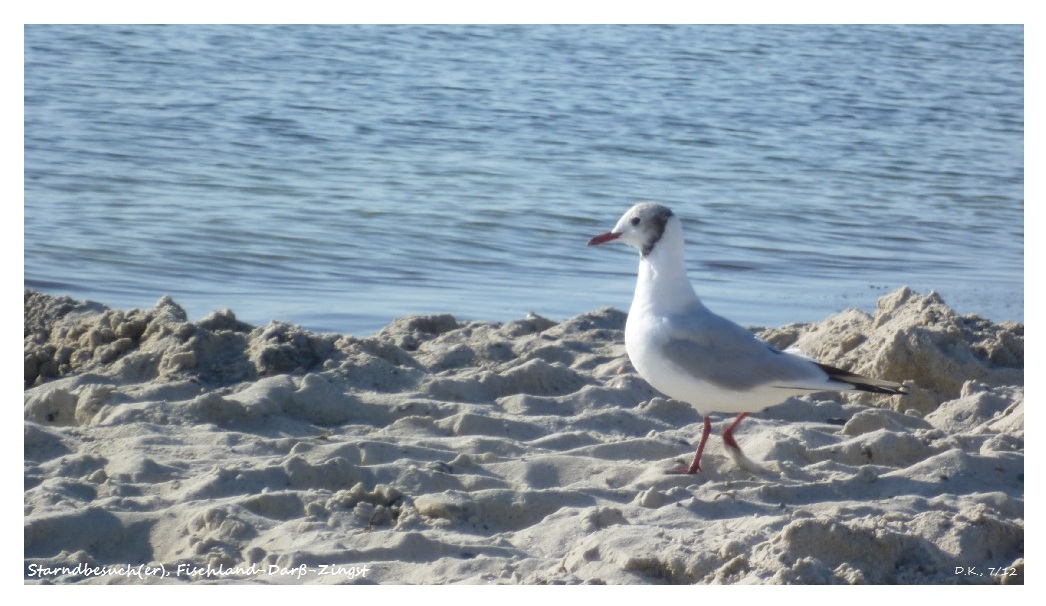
728,435
696,465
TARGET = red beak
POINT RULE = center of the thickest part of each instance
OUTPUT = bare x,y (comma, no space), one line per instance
603,238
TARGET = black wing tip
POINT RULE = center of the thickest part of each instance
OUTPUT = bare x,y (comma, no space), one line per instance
862,383
894,391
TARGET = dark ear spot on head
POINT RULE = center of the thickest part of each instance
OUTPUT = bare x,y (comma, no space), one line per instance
655,228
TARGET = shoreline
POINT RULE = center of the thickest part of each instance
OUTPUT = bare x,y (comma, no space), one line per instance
529,451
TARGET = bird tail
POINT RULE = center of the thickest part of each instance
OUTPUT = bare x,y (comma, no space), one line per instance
863,383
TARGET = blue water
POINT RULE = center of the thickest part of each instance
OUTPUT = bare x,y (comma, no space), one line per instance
339,177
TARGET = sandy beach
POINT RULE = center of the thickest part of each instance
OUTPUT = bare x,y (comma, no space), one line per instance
164,450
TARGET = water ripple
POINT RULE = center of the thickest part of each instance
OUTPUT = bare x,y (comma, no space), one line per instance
341,176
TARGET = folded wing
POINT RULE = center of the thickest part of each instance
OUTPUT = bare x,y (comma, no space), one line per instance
717,351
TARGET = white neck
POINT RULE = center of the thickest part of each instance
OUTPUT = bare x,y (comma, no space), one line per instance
663,286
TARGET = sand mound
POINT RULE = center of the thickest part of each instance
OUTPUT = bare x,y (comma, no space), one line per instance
163,450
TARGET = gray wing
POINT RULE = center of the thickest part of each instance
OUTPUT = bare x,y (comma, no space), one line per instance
716,350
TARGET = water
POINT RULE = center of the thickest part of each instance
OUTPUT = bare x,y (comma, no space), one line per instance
339,177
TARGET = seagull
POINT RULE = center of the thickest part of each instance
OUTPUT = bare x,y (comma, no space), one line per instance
692,355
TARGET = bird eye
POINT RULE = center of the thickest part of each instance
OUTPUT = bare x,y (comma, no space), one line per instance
635,220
